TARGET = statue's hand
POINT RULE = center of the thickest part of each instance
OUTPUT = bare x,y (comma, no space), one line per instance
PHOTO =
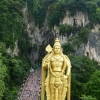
63,78
46,64
66,76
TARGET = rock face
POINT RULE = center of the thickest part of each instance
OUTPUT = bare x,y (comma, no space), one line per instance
16,50
92,48
39,37
43,36
80,19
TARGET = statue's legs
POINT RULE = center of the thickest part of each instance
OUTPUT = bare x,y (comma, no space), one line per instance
59,94
56,92
60,91
52,92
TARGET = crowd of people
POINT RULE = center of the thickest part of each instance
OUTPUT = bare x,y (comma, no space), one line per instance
31,89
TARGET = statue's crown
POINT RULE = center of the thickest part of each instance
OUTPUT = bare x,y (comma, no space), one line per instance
57,42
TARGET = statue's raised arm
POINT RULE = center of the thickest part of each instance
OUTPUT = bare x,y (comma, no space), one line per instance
56,70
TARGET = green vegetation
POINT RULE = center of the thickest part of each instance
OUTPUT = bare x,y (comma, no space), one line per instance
86,6
83,34
24,44
93,85
12,26
57,9
11,21
12,69
65,29
12,73
53,11
38,9
68,48
3,70
79,34
87,98
56,13
85,77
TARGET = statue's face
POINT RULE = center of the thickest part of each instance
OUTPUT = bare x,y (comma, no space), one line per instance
57,49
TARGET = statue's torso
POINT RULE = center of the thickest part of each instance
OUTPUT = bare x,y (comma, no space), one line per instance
56,63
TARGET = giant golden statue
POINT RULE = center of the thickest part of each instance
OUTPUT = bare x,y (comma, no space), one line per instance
56,68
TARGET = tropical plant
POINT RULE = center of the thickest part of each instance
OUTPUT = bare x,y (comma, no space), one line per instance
93,85
87,98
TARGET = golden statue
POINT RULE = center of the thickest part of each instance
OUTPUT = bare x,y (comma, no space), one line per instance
56,68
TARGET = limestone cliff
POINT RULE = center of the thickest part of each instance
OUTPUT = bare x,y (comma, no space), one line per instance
43,36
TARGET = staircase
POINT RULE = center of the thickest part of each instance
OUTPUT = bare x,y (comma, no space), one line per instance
31,88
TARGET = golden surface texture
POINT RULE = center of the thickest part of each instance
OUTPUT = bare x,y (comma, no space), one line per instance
56,70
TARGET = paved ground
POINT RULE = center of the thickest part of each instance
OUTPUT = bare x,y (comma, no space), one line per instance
32,85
